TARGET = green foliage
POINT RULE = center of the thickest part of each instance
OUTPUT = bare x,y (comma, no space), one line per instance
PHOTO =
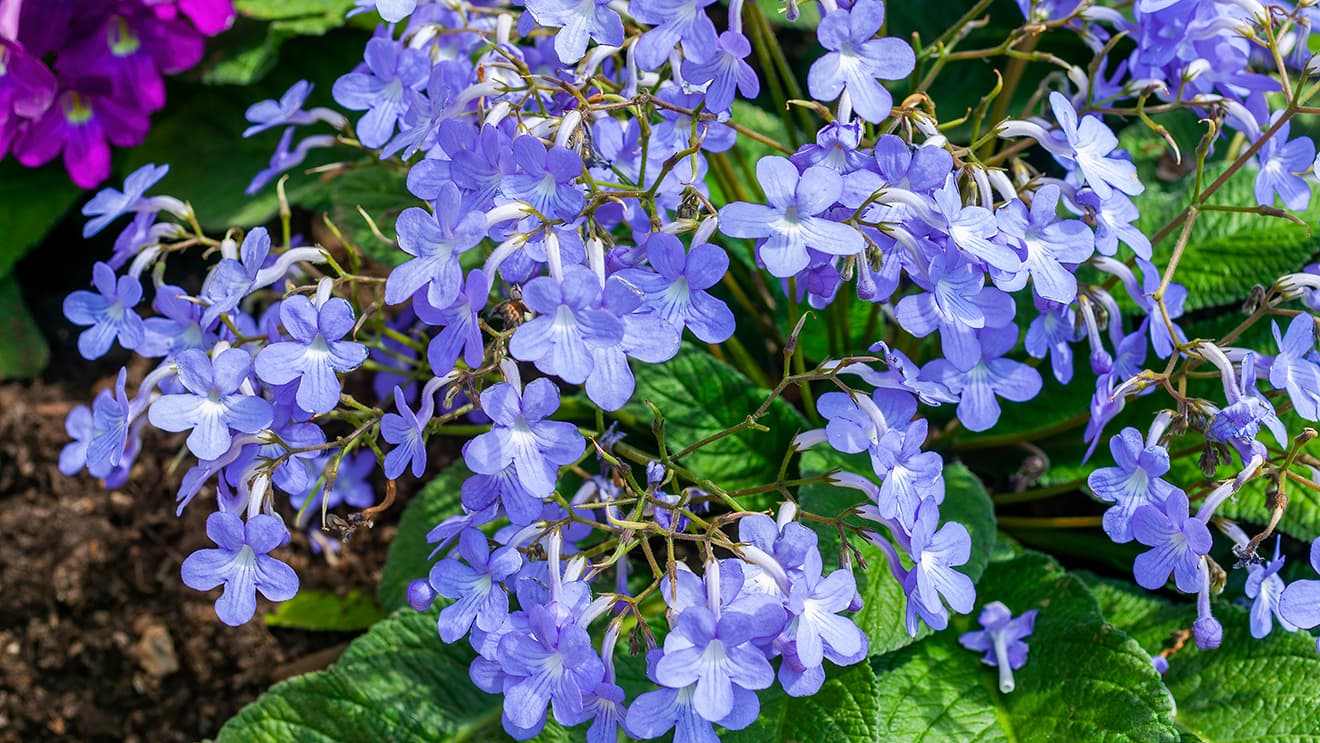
1084,679
381,192
398,683
250,50
1246,689
326,611
702,396
23,350
409,555
32,201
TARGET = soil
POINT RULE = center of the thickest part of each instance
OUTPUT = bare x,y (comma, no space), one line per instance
99,639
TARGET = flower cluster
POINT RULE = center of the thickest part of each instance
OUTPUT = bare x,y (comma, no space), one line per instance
564,228
78,77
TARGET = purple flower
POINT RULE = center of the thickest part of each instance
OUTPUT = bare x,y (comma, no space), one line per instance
815,628
792,221
1052,333
646,337
724,69
27,89
1239,423
552,663
425,113
286,157
957,303
270,113
521,436
933,580
476,582
1001,639
857,61
1178,541
112,415
460,327
1048,244
108,204
986,379
407,431
213,405
131,50
179,326
82,124
1265,587
1280,162
242,564
676,292
435,241
673,21
391,11
971,227
390,69
316,352
109,312
570,323
1087,145
1295,368
1137,481
578,21
1113,222
654,713
1299,604
713,654
480,492
546,179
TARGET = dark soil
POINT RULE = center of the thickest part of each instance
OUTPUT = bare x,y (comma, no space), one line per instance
99,639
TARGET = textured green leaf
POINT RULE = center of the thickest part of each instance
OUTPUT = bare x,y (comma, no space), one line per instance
1229,252
23,350
396,683
1084,679
409,554
1246,689
884,603
32,201
844,710
381,191
326,611
701,396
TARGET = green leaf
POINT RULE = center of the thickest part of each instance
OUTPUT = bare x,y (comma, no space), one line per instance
23,350
381,191
398,683
1228,252
1084,678
844,709
409,554
884,605
1246,689
32,201
326,611
306,15
701,396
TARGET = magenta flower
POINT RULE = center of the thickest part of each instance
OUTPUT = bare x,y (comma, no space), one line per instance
82,125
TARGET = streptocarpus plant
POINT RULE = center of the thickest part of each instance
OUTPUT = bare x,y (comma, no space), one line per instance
583,203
